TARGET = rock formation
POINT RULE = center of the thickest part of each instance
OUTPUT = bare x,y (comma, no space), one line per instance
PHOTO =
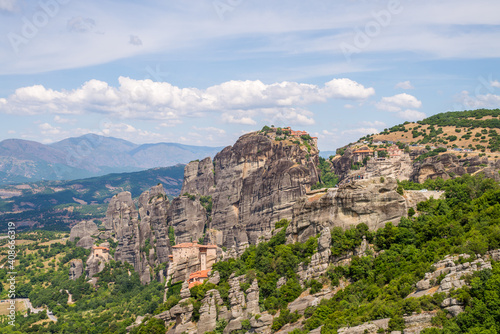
373,202
257,182
208,311
188,218
449,165
143,243
75,269
83,229
199,177
453,274
97,260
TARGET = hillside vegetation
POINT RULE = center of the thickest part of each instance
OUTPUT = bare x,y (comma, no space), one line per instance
477,130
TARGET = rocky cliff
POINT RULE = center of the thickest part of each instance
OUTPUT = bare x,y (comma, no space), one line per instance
407,166
142,233
257,182
448,165
373,202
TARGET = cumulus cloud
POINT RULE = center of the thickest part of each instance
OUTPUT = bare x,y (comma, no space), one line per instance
135,40
237,101
62,120
373,124
347,89
360,131
8,5
228,118
402,104
404,85
411,115
398,102
466,101
47,129
495,84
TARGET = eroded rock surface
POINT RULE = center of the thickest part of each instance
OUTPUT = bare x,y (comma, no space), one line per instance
75,269
373,202
83,229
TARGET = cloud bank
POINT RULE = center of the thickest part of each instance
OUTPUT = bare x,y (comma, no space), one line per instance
237,101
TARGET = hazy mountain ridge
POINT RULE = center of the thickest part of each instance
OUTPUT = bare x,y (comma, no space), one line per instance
88,156
59,203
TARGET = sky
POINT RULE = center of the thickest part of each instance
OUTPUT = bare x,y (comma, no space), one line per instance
205,72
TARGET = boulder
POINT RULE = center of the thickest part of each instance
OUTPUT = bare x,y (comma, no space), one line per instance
85,242
83,229
75,269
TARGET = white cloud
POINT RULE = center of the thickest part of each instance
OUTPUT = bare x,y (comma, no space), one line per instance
237,101
373,124
466,101
47,129
347,89
348,106
411,115
8,5
398,102
404,85
360,131
233,120
289,116
495,84
62,120
210,129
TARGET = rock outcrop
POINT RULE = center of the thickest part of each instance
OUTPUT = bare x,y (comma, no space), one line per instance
453,274
143,243
83,229
373,202
97,260
199,177
75,269
208,311
257,182
85,242
448,165
188,218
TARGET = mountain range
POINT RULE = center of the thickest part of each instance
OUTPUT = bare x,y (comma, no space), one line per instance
88,156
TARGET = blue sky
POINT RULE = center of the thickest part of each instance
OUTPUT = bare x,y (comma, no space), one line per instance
205,72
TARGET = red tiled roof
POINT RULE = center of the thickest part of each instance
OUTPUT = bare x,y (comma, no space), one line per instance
193,284
104,248
199,274
363,151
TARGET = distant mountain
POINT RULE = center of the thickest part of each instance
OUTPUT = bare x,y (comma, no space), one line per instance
88,156
54,204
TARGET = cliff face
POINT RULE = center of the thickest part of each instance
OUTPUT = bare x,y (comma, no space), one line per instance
143,243
449,165
366,201
188,218
404,167
199,177
257,182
